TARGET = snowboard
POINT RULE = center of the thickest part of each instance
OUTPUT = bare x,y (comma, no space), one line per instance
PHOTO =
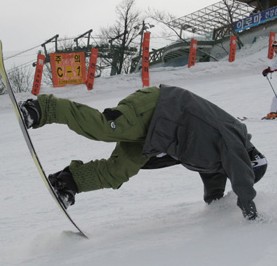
6,82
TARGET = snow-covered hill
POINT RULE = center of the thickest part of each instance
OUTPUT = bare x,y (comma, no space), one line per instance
158,217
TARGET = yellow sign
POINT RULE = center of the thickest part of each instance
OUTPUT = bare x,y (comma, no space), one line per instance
68,68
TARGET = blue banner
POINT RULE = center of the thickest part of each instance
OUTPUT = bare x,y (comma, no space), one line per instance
256,19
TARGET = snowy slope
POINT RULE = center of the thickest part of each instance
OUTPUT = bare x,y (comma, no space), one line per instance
158,217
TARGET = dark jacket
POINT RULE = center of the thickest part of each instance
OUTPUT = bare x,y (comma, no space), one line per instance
202,136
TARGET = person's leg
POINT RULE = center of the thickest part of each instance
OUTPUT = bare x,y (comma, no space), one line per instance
273,107
214,186
125,162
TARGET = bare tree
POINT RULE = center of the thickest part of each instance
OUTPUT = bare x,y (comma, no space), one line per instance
20,79
47,75
165,19
232,7
122,35
66,44
225,19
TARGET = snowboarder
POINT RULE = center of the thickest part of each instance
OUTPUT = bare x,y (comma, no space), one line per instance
154,128
273,109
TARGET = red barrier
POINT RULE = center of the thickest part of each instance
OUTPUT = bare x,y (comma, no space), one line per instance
92,68
145,60
192,53
270,53
233,48
38,74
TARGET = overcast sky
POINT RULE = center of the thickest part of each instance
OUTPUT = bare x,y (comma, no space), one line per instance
27,23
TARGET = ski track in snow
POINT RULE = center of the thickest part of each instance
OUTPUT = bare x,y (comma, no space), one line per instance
158,217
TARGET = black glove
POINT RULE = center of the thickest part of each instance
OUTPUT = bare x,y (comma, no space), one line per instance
248,208
63,180
266,71
31,112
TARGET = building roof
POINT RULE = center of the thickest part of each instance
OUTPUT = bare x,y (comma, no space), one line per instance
206,20
250,2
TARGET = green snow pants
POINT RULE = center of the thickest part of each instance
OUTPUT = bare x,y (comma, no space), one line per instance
125,124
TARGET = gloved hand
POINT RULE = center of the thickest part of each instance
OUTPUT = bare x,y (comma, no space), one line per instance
31,112
248,208
266,71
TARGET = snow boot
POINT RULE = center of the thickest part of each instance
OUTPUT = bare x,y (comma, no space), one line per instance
270,116
31,112
64,186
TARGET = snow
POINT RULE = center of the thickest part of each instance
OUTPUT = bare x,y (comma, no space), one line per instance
158,217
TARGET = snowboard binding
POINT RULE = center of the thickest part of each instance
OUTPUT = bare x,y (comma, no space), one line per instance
64,186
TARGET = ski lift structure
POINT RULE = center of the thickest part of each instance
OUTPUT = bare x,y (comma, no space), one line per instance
107,52
82,43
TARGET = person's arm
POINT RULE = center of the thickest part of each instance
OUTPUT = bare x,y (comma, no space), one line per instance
236,163
270,69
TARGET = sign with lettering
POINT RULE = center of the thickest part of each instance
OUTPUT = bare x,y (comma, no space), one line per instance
145,59
92,68
68,68
256,19
38,74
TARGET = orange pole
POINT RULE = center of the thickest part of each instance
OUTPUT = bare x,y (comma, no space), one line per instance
92,68
38,74
192,53
145,60
270,53
233,48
